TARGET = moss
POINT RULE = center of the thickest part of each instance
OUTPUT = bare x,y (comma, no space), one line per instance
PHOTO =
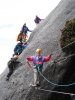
68,36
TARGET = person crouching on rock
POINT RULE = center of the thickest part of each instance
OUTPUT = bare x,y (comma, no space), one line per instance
12,65
38,61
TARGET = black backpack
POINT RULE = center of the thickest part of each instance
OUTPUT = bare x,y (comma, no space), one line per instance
11,63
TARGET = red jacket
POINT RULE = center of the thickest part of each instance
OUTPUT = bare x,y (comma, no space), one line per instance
39,60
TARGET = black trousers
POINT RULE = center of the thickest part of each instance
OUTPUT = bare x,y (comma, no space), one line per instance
12,66
11,69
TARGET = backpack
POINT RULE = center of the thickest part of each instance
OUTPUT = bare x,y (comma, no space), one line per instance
11,63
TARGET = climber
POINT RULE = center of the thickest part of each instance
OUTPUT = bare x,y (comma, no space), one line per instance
19,48
12,64
38,61
24,30
37,20
21,37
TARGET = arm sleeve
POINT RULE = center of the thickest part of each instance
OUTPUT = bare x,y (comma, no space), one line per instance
17,38
30,58
47,58
29,30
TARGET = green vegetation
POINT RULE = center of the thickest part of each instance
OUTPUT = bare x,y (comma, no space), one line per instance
68,36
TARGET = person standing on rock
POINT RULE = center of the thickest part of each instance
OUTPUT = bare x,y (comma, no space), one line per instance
38,61
24,30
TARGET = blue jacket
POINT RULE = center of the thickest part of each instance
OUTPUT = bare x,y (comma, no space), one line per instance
19,48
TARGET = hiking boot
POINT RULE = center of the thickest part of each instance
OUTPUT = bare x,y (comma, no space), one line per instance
33,85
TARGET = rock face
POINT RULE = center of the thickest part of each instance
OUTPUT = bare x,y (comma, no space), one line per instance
46,36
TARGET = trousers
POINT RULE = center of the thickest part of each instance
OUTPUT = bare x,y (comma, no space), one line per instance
37,77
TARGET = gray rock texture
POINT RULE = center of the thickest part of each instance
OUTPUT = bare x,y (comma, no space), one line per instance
46,35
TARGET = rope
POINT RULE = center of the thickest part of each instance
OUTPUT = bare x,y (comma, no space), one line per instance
72,94
66,45
64,58
59,85
61,49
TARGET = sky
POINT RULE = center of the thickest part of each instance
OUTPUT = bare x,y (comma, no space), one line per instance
13,14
